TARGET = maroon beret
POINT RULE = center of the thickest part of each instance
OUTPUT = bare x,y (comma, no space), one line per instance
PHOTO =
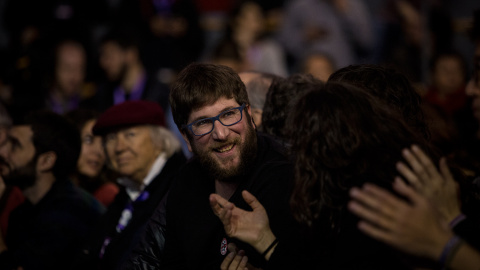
134,112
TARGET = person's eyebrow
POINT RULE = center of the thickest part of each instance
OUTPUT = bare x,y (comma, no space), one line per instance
207,117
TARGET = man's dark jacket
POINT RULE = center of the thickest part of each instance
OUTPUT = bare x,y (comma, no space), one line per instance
195,237
121,244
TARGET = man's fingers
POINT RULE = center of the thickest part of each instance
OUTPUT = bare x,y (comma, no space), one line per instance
409,175
447,175
427,163
251,200
374,204
403,189
234,261
416,165
219,204
227,261
375,232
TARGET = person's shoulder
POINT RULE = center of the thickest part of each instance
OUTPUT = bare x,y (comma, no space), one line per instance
75,200
270,149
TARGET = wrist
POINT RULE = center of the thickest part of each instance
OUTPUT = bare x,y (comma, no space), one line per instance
265,241
457,219
438,246
449,251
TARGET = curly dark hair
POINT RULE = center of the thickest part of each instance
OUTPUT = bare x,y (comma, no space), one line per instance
280,98
54,132
342,137
391,86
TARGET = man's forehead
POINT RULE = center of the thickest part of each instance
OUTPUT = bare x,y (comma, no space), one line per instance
21,132
214,108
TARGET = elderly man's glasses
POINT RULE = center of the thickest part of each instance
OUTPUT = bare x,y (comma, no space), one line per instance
227,118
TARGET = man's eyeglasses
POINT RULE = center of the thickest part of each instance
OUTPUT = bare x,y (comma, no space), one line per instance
227,118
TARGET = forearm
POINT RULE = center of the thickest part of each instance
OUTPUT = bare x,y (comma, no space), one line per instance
465,258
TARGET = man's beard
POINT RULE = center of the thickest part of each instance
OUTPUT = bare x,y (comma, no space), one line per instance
248,152
23,177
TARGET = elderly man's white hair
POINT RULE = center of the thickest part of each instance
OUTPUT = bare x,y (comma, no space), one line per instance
165,139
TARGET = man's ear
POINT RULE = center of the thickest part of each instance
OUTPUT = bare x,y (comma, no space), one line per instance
185,137
249,110
46,161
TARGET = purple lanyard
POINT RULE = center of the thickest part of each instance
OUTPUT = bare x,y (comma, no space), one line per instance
125,218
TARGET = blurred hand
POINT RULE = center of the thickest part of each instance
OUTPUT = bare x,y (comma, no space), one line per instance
437,186
413,227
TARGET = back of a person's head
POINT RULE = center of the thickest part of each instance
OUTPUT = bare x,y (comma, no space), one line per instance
279,98
389,85
201,84
342,137
53,132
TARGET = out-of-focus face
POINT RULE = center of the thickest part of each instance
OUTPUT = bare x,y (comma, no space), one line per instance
70,69
20,157
92,157
473,86
320,67
131,151
448,75
227,149
113,60
251,18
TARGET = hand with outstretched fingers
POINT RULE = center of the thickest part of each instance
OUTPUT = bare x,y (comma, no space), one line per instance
414,227
251,227
437,186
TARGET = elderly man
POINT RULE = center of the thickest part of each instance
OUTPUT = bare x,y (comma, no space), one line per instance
145,154
211,108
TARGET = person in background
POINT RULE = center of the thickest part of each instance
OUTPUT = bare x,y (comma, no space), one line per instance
320,65
92,174
247,28
48,229
68,84
447,82
12,195
257,85
280,99
147,156
340,28
127,77
391,86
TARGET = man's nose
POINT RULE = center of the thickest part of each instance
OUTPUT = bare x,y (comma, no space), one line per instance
220,132
472,89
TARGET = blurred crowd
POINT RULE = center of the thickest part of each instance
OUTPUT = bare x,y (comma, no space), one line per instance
109,107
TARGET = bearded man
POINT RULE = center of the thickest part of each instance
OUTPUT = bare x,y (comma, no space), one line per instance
211,109
48,229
